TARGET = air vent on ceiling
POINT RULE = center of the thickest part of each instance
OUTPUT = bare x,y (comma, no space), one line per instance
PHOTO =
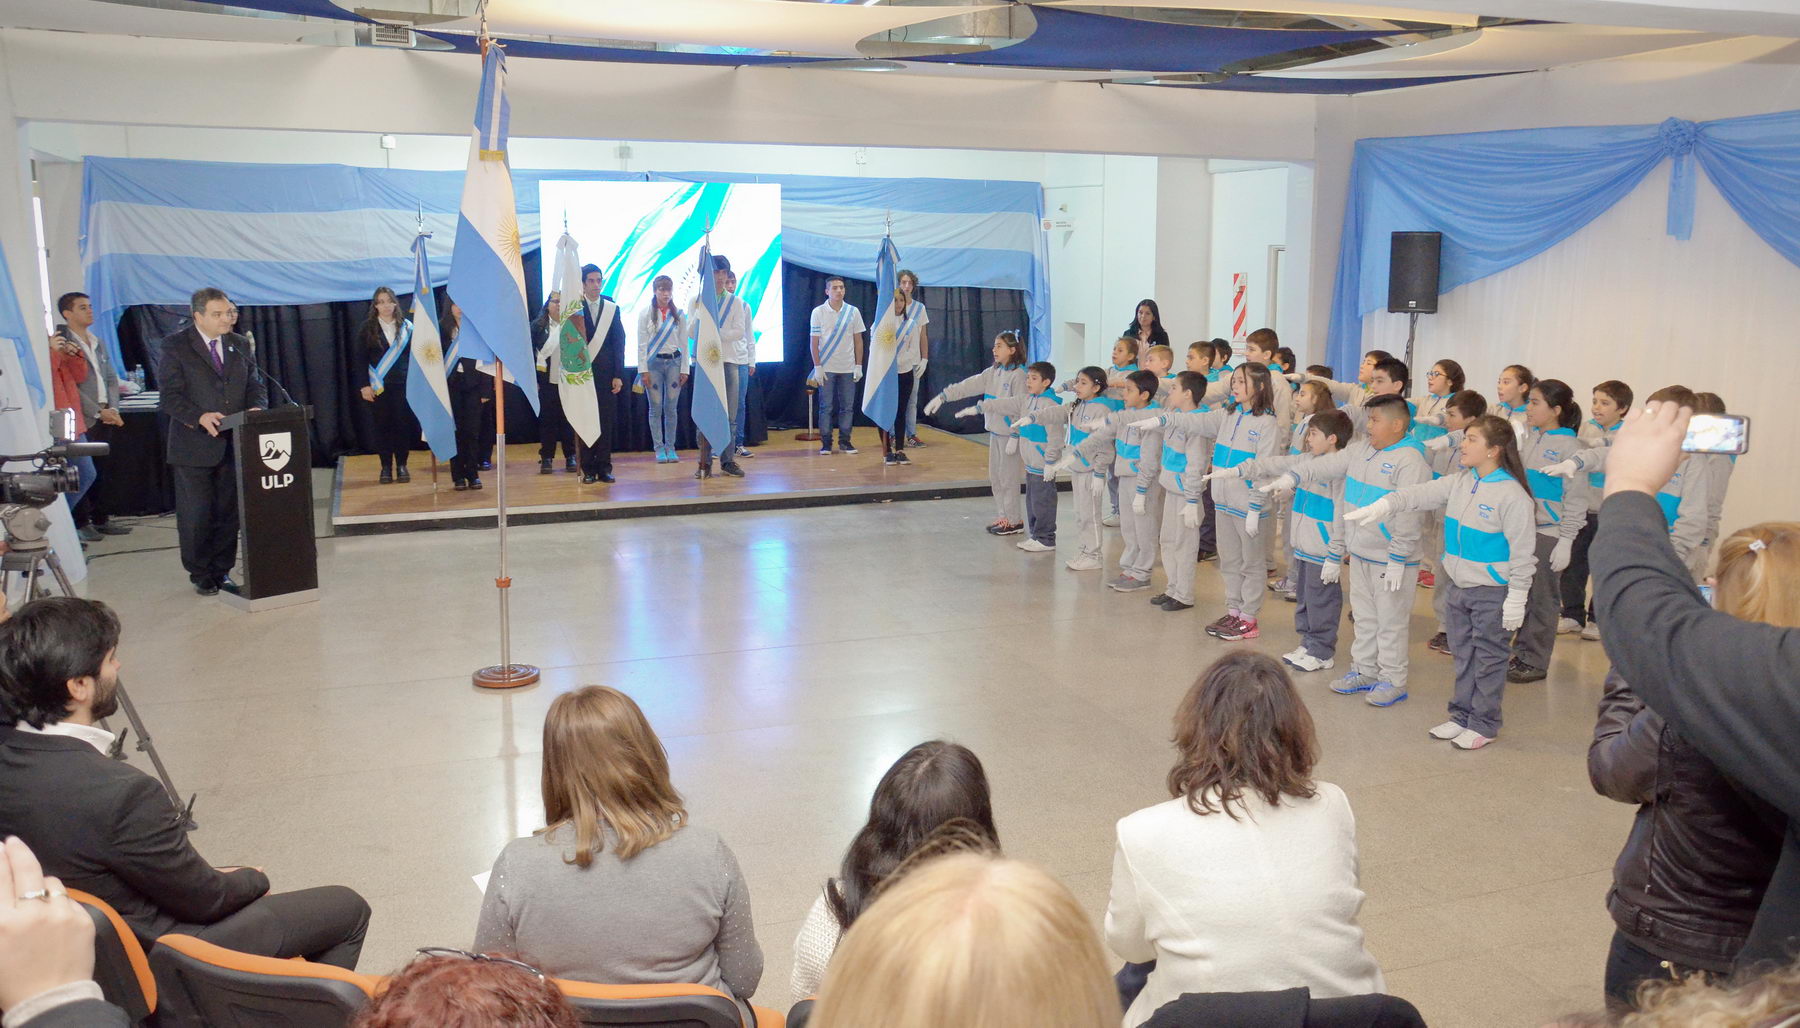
382,34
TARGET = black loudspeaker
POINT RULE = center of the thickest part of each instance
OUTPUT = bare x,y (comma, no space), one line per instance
1413,272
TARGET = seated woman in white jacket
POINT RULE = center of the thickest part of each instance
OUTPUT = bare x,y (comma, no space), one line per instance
1245,881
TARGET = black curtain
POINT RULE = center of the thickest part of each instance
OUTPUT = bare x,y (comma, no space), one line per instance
312,350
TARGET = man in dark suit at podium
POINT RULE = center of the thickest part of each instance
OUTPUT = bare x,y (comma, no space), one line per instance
206,373
602,317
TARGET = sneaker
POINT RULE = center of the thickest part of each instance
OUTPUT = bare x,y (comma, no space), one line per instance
1206,555
1300,660
1354,682
1386,694
1084,563
1128,584
1440,643
1239,630
900,457
1469,739
545,467
824,451
1172,604
1111,520
1220,625
743,451
1519,671
1006,528
848,449
1427,580
111,529
1447,731
1292,596
889,460
732,469
1591,632
1284,584
1568,626
913,440
1295,652
90,534
1158,598
1033,546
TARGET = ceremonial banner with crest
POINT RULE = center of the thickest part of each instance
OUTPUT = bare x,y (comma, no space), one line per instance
571,369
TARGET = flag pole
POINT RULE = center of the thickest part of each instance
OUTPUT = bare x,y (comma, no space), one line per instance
506,674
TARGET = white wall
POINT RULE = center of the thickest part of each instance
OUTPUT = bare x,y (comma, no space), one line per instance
1250,215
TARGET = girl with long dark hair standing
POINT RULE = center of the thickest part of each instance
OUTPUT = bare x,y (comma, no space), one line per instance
386,339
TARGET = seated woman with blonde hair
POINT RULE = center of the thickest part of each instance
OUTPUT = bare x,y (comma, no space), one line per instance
619,889
1245,881
970,939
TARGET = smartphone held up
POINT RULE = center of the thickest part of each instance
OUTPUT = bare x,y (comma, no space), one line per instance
1717,433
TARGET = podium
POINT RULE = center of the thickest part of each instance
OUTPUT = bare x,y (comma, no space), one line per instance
272,455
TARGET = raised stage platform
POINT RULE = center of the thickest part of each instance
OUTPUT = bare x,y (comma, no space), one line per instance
784,473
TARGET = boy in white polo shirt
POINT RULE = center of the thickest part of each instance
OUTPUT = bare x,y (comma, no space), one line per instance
837,353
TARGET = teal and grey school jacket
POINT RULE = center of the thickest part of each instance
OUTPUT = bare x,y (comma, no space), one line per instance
1238,436
1429,405
1083,417
1297,436
1594,437
1490,533
1686,498
1113,397
992,383
1368,474
1186,458
1041,442
1561,504
1316,519
1129,454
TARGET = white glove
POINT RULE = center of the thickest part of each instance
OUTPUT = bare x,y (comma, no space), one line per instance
1330,570
1436,420
817,378
936,402
919,370
1064,463
1512,612
856,374
1559,557
1021,422
1376,511
1277,487
1012,444
1143,423
1520,432
969,412
1295,376
1561,469
1251,520
1394,575
1139,505
1441,442
1217,474
1190,515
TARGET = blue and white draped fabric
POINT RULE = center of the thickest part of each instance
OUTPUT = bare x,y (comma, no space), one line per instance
378,371
487,277
881,394
711,412
427,380
829,345
12,326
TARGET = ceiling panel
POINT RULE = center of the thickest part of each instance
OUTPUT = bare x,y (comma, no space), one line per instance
1501,49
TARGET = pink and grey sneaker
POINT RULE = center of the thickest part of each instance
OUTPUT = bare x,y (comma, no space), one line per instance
1240,629
1217,628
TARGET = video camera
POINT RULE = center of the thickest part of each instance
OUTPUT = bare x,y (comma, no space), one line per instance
53,473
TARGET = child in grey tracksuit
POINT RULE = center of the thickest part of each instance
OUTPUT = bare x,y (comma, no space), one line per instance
1489,559
1561,507
1131,453
1087,479
1006,471
1040,435
1186,456
1687,501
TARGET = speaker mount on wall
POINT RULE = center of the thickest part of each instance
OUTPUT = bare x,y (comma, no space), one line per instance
1413,262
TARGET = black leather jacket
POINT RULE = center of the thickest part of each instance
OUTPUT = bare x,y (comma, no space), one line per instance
1692,874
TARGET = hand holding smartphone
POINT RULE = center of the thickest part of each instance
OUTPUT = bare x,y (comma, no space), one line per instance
1717,433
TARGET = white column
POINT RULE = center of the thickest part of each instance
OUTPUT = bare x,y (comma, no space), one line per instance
1183,249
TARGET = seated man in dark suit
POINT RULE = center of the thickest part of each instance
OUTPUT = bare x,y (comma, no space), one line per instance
105,827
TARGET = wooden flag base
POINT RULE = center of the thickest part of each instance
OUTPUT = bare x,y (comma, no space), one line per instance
507,676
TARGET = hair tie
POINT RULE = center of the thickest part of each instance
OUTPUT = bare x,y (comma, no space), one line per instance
1757,546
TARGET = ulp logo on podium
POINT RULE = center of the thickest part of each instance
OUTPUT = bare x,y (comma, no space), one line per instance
275,449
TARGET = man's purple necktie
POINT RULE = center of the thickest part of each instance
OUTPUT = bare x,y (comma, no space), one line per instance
218,361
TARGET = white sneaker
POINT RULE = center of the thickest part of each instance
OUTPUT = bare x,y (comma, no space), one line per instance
1567,626
1592,632
1303,661
1295,652
1084,564
1470,739
1447,731
1031,545
1110,521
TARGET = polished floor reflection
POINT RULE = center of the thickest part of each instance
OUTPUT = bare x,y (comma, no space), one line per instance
787,657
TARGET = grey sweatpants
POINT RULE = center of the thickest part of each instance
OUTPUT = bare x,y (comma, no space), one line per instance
1006,473
1275,523
1178,543
1040,508
1543,605
1089,493
1241,565
1319,611
1381,619
1140,531
1478,646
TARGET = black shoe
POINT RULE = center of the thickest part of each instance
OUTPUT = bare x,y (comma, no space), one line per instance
111,529
731,468
703,471
1170,603
207,588
606,476
1206,555
900,457
590,478
546,467
1519,671
889,459
461,485
402,475
474,483
386,477
1159,598
487,465
570,466
1440,643
227,585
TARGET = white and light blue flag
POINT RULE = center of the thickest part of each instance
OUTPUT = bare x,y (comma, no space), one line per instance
427,381
881,393
486,277
712,417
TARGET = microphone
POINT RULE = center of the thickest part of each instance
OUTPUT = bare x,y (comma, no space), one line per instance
250,352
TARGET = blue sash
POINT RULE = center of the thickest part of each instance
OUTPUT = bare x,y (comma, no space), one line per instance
829,347
908,323
662,334
379,370
450,356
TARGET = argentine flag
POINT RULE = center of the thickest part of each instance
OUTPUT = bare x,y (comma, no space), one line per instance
711,415
427,386
486,279
881,395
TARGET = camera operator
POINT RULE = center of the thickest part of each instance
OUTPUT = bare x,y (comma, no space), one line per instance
98,413
1730,687
105,827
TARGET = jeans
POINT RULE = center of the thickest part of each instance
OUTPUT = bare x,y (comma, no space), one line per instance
663,390
837,407
84,466
733,404
737,379
1628,966
912,408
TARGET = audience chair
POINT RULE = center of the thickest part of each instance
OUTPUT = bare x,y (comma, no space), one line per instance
209,986
119,964
660,1006
801,1012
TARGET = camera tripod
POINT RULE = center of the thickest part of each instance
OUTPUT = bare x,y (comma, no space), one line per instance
28,555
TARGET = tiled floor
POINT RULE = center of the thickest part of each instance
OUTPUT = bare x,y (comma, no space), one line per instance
787,657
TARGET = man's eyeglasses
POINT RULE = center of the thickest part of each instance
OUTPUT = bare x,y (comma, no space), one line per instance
445,951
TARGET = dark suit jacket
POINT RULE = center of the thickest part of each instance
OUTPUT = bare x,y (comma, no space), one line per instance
190,388
107,828
609,363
